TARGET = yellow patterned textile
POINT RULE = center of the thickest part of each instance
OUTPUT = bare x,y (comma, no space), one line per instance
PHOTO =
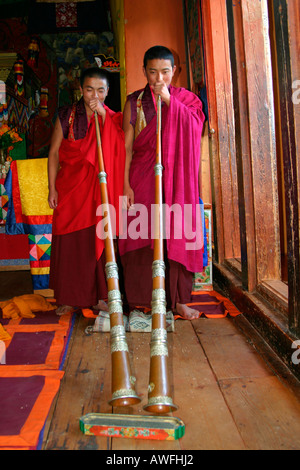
33,184
140,119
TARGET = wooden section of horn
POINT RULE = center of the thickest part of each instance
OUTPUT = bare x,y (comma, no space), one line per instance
159,393
123,383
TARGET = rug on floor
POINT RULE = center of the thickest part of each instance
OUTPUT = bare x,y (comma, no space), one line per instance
209,304
31,363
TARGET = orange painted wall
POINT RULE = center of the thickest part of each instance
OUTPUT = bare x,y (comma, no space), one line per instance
149,23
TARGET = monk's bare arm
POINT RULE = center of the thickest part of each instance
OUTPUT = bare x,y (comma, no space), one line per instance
129,138
53,162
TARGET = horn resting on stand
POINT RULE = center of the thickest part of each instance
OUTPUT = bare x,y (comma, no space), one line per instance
123,383
159,391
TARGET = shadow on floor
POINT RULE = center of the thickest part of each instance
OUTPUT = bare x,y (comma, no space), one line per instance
14,283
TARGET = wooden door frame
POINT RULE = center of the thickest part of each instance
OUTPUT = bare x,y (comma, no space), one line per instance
289,152
254,130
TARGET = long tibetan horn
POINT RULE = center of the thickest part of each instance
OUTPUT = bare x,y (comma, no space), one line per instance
159,393
123,383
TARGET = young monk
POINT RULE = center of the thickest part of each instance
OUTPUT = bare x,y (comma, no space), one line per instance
182,122
77,254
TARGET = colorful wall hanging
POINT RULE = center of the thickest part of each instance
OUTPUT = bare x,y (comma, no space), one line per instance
39,260
17,113
29,213
3,202
19,78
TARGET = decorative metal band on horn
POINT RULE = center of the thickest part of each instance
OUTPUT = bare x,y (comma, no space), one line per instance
111,270
115,307
159,294
159,345
160,401
102,177
158,307
123,393
118,339
117,332
118,345
158,304
158,169
114,294
159,334
158,268
115,301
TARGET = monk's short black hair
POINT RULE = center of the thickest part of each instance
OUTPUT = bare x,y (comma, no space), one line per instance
158,52
93,72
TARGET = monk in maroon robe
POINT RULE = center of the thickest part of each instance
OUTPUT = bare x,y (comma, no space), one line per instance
182,122
77,264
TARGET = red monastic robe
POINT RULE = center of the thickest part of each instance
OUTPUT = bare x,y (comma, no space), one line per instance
77,180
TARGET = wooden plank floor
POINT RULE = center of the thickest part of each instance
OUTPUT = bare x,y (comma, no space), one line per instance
225,385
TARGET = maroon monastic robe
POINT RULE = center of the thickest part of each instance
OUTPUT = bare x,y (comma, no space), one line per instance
182,124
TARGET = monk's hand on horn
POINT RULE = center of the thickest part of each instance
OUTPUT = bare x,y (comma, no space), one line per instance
160,89
97,105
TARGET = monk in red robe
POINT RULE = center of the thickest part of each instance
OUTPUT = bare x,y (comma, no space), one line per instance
77,272
182,122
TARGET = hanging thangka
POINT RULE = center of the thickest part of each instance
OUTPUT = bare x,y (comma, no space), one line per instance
53,16
194,33
66,15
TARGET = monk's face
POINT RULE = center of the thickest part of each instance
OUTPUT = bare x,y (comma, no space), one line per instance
92,88
158,70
